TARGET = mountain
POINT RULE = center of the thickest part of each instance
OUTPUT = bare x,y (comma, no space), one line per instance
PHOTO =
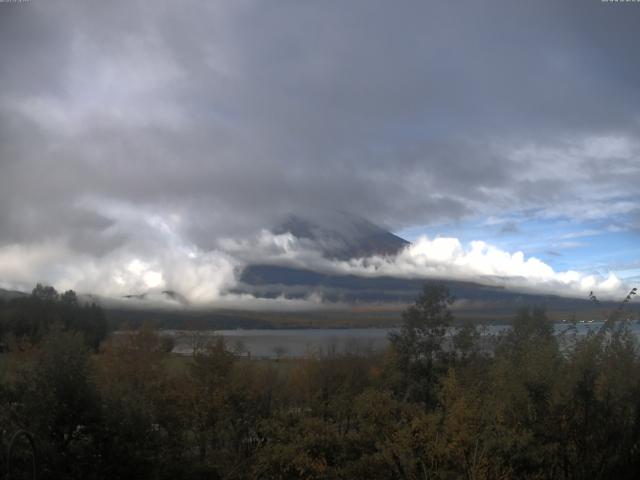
342,236
338,235
352,300
159,295
473,300
10,294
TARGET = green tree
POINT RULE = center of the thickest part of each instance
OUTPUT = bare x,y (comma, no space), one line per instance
418,346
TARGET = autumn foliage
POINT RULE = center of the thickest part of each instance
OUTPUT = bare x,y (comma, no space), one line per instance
436,405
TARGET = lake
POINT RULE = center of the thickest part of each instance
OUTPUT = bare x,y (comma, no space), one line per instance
301,342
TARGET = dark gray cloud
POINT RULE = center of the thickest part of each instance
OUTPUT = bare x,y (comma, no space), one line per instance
222,117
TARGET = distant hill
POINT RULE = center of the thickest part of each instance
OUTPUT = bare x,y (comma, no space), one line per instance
9,294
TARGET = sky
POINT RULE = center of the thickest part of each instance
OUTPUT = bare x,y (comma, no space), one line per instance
155,144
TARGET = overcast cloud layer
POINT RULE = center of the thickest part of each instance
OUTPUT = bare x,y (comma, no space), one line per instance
142,142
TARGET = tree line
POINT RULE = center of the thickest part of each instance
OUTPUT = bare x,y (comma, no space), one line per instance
29,318
537,405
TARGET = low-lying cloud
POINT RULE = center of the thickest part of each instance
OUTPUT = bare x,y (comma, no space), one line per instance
209,278
438,258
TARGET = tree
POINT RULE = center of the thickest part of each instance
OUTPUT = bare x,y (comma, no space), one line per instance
205,395
35,315
45,293
59,404
69,298
132,380
418,346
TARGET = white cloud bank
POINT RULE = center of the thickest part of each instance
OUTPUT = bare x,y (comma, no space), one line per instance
441,258
447,258
206,278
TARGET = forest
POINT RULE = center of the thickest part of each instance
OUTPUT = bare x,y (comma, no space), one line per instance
537,405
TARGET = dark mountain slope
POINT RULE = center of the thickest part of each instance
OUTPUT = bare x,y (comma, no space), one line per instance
10,294
342,236
272,281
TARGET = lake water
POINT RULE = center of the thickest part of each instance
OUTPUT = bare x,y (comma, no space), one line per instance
301,342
